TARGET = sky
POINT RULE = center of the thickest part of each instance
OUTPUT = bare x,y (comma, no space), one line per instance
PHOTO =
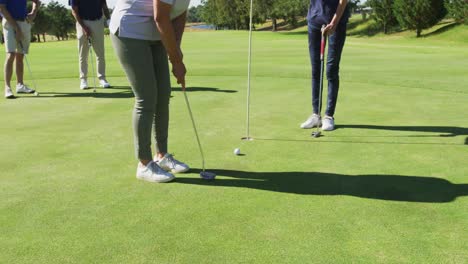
111,3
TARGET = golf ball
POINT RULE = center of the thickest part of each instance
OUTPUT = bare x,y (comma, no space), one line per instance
237,151
36,94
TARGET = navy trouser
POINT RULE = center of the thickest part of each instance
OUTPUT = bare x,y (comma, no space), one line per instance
335,47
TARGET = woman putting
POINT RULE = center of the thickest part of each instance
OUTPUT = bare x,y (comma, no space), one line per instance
144,34
334,15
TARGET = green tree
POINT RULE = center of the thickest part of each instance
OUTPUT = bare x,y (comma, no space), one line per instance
194,14
419,14
61,20
383,13
41,24
235,14
458,10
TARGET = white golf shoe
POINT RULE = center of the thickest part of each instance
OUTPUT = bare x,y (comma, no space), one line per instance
104,84
21,88
328,123
9,93
153,173
83,84
313,121
169,163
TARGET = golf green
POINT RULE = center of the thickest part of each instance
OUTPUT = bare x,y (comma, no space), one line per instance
389,185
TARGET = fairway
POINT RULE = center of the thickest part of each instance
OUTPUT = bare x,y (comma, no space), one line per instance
389,185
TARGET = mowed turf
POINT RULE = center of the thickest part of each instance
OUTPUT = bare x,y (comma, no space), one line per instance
390,185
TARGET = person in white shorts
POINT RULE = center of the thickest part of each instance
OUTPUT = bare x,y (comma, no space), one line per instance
17,33
90,27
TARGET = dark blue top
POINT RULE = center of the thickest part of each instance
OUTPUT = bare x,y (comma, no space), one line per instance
17,8
88,9
321,12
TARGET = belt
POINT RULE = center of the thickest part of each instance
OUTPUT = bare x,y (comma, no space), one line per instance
21,20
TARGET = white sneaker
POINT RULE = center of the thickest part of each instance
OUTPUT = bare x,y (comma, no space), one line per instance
168,163
21,88
84,84
9,93
153,173
104,84
328,123
313,121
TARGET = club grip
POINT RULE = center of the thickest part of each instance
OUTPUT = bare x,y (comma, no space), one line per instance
322,44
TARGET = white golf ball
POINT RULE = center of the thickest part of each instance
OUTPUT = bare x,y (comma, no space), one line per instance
237,151
36,94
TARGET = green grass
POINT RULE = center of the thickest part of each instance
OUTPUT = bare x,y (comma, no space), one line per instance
388,186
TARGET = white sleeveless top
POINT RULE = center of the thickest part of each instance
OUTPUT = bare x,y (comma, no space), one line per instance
135,18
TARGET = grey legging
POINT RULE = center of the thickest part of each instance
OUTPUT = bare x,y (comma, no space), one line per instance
146,65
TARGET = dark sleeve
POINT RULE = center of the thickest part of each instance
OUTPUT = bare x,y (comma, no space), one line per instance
73,2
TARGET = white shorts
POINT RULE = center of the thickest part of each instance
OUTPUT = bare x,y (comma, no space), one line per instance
10,40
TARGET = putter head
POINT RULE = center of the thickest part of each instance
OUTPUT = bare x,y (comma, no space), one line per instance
316,134
208,176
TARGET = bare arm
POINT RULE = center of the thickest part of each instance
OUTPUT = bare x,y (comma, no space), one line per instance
9,19
35,7
179,27
331,27
169,39
105,9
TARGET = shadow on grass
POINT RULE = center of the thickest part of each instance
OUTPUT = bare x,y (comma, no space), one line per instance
446,130
125,93
447,26
203,89
380,187
87,93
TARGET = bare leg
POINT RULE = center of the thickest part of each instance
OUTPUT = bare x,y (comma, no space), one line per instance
20,68
10,58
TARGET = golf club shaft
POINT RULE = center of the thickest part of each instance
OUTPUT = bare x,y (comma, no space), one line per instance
249,70
323,43
92,61
29,66
194,129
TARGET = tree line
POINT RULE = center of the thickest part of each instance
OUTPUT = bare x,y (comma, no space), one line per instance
417,14
405,14
53,19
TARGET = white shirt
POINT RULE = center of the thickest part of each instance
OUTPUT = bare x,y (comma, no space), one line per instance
135,18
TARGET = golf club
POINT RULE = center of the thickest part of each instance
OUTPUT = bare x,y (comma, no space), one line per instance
90,44
323,43
36,93
204,174
247,136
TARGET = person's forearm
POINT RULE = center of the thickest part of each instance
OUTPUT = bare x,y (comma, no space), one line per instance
168,37
105,10
179,27
8,17
339,12
35,6
77,17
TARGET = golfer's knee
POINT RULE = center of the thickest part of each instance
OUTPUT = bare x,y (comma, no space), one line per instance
10,57
145,106
332,72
